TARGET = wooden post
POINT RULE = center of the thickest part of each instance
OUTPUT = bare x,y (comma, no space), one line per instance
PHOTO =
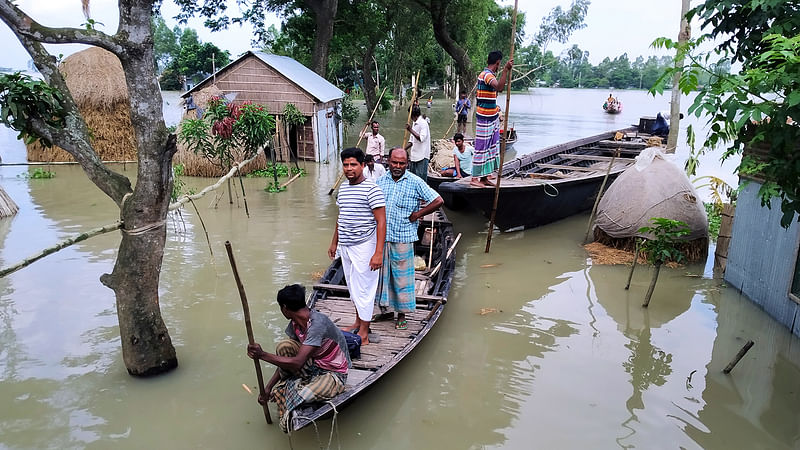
249,328
738,357
635,258
503,141
600,194
652,287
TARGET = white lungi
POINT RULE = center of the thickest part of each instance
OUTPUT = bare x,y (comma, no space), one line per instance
361,281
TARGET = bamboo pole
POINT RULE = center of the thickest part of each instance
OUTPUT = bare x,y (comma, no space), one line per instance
503,142
410,107
291,180
360,136
600,194
186,197
633,266
61,163
249,328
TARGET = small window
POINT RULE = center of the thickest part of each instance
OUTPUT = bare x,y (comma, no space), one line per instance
795,292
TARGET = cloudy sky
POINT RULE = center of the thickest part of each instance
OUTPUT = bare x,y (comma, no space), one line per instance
613,26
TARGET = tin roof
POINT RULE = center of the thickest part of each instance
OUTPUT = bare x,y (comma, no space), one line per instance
305,78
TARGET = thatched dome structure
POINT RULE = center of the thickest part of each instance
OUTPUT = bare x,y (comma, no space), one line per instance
647,190
7,206
97,83
198,166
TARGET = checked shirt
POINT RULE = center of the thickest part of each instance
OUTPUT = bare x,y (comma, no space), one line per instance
402,199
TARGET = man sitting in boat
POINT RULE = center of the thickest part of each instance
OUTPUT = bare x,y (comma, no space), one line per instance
661,126
372,171
312,363
609,102
462,159
403,191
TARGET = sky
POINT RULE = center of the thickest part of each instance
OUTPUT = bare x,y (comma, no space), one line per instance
613,27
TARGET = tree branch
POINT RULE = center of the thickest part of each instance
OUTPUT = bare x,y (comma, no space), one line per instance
22,24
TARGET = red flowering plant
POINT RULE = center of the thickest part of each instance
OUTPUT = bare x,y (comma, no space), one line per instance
227,126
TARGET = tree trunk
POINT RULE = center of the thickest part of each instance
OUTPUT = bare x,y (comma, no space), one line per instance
146,345
675,104
368,84
652,287
466,73
324,15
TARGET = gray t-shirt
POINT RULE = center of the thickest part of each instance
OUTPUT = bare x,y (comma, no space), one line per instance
331,353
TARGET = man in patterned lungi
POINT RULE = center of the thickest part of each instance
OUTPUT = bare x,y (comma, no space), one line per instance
403,191
487,120
312,363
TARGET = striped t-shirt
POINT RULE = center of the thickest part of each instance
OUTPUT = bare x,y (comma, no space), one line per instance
486,98
356,202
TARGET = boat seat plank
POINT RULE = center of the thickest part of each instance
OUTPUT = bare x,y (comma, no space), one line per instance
622,144
594,158
563,167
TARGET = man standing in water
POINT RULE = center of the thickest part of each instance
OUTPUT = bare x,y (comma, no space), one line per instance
420,144
462,110
403,191
312,363
487,119
359,236
376,144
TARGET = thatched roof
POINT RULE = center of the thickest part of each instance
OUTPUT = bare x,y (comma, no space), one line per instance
97,83
95,78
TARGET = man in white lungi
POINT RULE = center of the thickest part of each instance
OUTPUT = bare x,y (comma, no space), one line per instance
359,235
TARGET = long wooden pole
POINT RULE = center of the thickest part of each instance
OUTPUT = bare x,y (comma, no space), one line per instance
600,194
360,136
410,107
249,327
505,135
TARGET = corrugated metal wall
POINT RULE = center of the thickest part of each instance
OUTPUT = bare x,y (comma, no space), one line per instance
762,256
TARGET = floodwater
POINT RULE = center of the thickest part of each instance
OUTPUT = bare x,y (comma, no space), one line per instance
567,358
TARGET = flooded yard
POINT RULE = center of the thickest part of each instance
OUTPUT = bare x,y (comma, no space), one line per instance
536,347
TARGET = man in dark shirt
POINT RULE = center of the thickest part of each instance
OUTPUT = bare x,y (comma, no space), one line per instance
312,363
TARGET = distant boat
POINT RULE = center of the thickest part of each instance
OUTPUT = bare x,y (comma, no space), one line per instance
553,183
614,107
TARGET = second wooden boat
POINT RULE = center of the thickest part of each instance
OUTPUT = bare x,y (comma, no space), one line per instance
553,183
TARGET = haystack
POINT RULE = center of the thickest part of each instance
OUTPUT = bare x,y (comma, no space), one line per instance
7,206
97,83
197,165
442,154
653,187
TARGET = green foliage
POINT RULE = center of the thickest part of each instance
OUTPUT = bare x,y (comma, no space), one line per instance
663,246
41,174
751,109
300,170
272,170
274,187
714,214
349,111
181,55
292,115
225,127
24,101
178,184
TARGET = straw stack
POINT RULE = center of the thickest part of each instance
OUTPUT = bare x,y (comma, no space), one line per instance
97,83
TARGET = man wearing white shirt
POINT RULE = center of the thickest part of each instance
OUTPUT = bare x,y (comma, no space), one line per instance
376,144
420,144
372,170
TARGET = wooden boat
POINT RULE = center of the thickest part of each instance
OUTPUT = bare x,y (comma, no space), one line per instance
614,107
553,183
330,296
435,179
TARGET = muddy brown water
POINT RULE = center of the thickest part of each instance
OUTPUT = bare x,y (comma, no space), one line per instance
567,359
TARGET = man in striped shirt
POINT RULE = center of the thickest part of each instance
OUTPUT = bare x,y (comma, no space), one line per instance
359,236
487,119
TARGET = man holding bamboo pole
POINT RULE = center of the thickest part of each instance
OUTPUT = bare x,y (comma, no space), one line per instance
419,144
313,361
376,144
487,119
